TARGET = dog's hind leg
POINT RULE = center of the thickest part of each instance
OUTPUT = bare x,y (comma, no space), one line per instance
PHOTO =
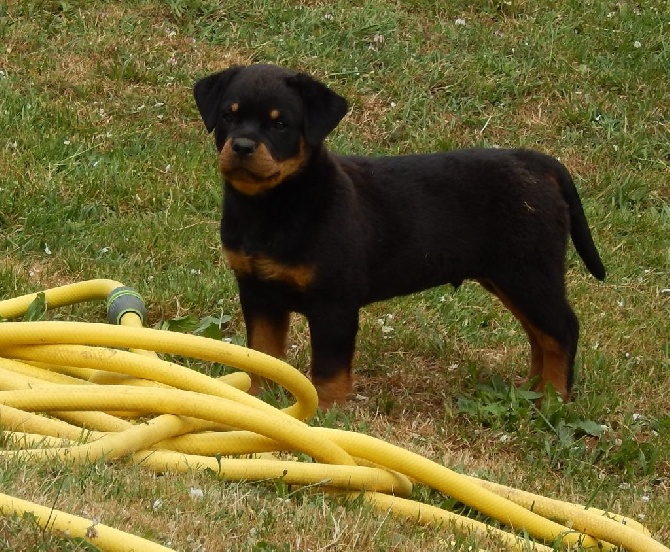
536,353
551,326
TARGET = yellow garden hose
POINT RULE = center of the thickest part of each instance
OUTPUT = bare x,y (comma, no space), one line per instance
104,537
95,380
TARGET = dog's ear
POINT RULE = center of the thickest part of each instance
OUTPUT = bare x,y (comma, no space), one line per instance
208,92
323,107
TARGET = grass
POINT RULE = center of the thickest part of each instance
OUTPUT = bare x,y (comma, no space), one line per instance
106,171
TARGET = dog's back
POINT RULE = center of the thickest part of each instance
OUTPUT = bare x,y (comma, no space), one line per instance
462,215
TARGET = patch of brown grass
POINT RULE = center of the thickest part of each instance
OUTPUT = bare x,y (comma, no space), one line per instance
217,517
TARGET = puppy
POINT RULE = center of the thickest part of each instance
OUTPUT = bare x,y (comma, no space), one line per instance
309,231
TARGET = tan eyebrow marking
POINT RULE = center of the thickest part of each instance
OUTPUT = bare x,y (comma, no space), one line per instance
275,114
235,107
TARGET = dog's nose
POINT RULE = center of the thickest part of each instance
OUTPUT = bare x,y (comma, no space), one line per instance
243,146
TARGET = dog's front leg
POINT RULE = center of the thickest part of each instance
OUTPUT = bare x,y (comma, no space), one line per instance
333,329
267,329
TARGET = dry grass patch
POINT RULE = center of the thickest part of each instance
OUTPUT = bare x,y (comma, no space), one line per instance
198,513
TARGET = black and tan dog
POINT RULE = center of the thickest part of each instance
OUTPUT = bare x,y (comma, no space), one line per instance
321,234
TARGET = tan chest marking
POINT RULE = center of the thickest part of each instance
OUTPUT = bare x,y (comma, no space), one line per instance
266,268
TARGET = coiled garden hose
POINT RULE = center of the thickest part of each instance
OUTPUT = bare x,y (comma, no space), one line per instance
95,379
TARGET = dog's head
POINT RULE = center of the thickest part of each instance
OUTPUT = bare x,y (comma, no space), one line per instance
266,121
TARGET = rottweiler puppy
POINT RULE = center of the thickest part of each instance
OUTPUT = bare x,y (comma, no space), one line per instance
312,232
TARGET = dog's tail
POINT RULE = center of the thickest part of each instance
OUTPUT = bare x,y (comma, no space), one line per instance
579,227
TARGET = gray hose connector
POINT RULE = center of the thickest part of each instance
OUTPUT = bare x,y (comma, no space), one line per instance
123,300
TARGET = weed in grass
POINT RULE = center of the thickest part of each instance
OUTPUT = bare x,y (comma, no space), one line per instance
558,433
37,308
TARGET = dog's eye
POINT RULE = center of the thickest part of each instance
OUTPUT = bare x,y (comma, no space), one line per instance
279,124
227,117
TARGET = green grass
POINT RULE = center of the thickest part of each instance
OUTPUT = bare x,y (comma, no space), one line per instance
106,171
